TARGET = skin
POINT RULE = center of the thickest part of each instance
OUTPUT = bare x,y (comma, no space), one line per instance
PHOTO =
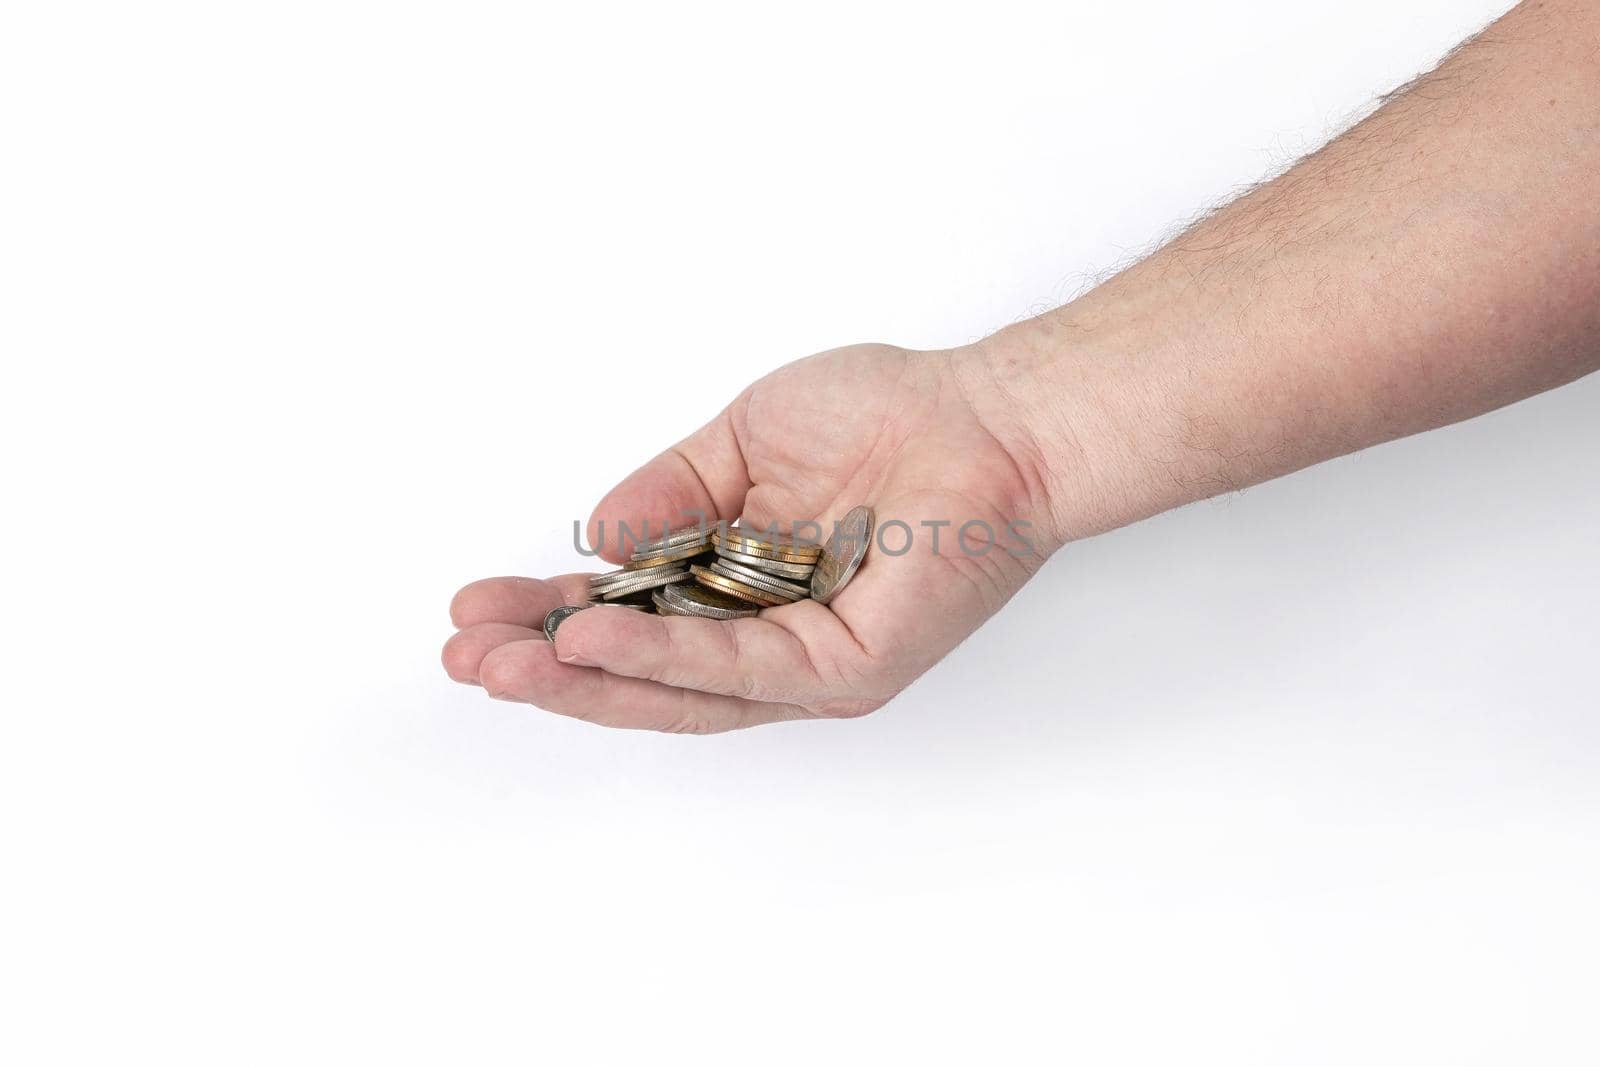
1439,260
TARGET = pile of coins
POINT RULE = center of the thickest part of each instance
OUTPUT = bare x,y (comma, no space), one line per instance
724,572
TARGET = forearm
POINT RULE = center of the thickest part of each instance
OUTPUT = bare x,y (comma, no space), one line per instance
1439,260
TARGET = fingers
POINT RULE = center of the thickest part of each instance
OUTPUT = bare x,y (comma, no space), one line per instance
518,601
464,652
529,671
807,658
624,668
495,611
701,478
750,658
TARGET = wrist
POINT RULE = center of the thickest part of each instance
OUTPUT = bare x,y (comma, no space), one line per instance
1057,434
1093,404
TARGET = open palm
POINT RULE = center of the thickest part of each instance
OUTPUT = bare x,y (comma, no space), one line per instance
908,433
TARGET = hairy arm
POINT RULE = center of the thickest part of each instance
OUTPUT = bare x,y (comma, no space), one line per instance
1438,260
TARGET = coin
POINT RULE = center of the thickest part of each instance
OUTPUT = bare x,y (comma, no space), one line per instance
765,582
558,616
625,577
774,567
689,535
842,555
663,605
690,598
672,555
784,551
742,590
646,580
717,571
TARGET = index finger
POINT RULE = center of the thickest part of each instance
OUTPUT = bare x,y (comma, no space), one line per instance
699,480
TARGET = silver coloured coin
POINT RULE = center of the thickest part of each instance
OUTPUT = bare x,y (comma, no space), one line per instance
663,605
766,582
682,552
775,567
558,616
689,535
616,578
641,581
842,555
690,598
600,581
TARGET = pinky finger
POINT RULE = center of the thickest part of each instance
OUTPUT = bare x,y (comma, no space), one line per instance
528,671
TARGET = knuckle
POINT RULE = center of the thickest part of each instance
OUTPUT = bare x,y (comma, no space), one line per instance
664,662
841,673
688,719
742,677
691,725
848,708
570,646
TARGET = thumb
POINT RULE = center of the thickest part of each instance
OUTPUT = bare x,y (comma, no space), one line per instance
699,480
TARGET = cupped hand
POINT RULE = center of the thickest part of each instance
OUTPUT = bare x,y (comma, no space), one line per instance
925,438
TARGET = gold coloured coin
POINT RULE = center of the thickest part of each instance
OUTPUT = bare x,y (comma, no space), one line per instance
732,586
785,552
677,555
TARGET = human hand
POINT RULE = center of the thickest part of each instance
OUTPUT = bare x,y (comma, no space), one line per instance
1409,274
926,438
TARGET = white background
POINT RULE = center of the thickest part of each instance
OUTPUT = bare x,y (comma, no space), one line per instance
313,312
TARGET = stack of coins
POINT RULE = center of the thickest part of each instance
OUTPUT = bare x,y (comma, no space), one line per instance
757,570
725,572
697,601
653,564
